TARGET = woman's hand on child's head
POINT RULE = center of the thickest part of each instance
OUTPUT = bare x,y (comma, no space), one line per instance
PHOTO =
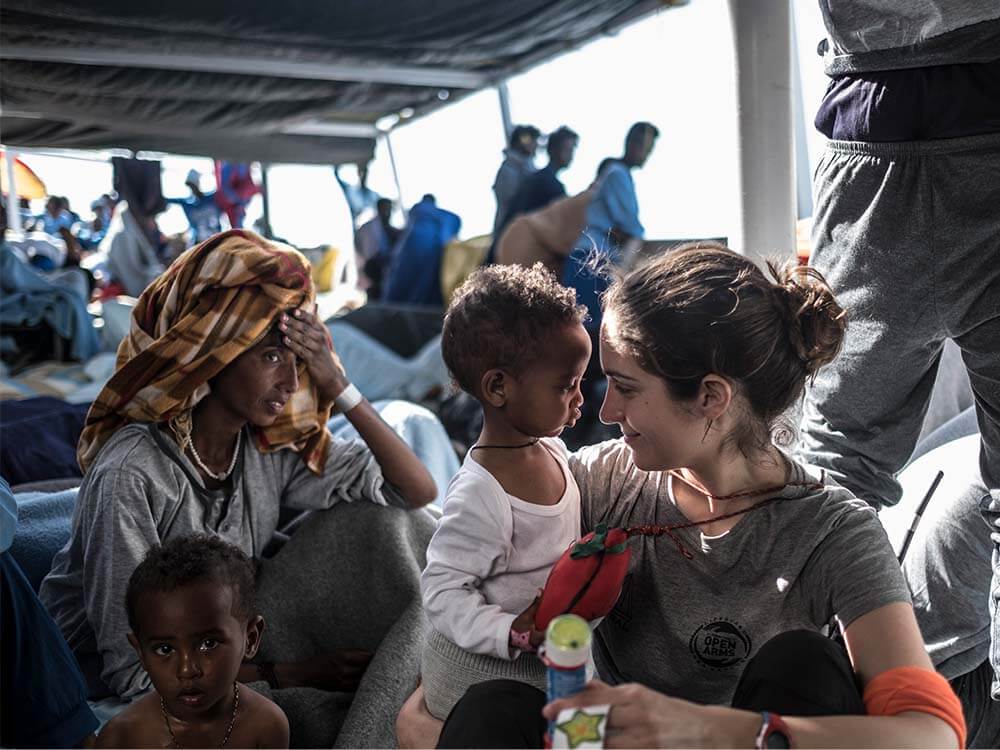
304,333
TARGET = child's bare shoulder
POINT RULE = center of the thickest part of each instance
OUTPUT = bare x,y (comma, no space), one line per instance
266,722
138,725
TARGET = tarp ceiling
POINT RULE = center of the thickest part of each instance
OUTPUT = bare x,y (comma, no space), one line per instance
289,81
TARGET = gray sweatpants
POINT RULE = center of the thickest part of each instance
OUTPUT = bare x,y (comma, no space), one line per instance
908,236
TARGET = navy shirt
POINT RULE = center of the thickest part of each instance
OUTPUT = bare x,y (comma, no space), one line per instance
914,104
538,190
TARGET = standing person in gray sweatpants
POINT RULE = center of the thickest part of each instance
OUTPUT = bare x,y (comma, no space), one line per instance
907,232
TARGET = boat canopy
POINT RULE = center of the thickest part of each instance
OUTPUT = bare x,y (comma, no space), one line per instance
305,81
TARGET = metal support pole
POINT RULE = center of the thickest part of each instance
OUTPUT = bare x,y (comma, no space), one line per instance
803,182
761,31
266,200
13,204
508,123
395,174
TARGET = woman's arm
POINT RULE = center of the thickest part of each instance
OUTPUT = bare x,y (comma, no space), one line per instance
115,529
308,338
883,639
400,465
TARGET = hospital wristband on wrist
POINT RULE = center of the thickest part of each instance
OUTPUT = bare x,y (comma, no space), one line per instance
348,398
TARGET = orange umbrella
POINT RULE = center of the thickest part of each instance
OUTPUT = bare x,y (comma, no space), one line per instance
28,183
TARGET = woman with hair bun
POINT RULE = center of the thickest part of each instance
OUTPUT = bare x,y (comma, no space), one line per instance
741,556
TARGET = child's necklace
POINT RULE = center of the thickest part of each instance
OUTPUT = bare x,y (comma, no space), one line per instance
530,443
229,730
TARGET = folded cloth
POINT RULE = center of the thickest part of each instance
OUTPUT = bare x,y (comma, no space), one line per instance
548,235
215,302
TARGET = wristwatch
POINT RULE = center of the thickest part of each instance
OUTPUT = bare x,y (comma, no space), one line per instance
773,733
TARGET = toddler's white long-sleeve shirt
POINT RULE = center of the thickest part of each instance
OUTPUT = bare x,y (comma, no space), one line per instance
491,553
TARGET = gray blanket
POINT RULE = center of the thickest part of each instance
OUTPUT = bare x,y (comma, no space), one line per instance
348,578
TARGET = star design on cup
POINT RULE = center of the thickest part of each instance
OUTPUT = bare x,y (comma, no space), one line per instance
582,727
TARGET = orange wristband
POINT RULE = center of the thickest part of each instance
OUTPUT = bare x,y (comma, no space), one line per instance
915,689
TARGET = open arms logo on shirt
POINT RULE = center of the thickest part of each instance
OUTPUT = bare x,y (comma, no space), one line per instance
720,644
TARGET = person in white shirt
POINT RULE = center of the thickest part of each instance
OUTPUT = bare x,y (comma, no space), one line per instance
514,339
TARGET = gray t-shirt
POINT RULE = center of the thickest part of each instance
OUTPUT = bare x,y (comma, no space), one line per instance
142,491
687,627
893,34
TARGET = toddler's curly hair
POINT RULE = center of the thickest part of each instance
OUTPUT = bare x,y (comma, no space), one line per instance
498,319
184,560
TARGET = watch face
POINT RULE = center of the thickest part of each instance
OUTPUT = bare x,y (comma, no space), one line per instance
777,739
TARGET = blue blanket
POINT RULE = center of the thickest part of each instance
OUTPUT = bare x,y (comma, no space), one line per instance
29,299
44,522
38,438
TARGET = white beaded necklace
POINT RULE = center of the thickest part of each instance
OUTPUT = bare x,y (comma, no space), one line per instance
221,476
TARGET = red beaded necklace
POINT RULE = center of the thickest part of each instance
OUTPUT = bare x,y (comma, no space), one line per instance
655,530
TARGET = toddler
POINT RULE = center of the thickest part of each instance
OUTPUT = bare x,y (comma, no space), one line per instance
514,339
191,613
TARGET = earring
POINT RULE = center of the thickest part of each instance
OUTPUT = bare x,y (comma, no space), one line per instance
708,427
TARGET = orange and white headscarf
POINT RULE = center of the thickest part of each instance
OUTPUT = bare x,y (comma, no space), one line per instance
215,302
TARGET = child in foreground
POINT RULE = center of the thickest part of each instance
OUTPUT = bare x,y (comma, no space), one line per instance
191,612
514,339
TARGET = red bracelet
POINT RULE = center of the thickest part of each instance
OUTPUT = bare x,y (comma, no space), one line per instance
521,641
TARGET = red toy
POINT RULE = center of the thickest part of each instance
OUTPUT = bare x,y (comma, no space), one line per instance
587,579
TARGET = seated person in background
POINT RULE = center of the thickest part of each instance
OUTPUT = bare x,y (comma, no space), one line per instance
29,296
214,419
193,622
43,698
201,210
55,217
513,338
90,234
373,242
133,246
415,272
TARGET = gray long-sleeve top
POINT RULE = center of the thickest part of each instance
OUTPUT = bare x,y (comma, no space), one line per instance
142,491
515,167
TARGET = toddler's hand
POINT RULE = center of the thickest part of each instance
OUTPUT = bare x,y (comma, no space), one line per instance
525,622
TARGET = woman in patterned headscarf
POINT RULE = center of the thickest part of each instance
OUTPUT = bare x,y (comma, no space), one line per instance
215,417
